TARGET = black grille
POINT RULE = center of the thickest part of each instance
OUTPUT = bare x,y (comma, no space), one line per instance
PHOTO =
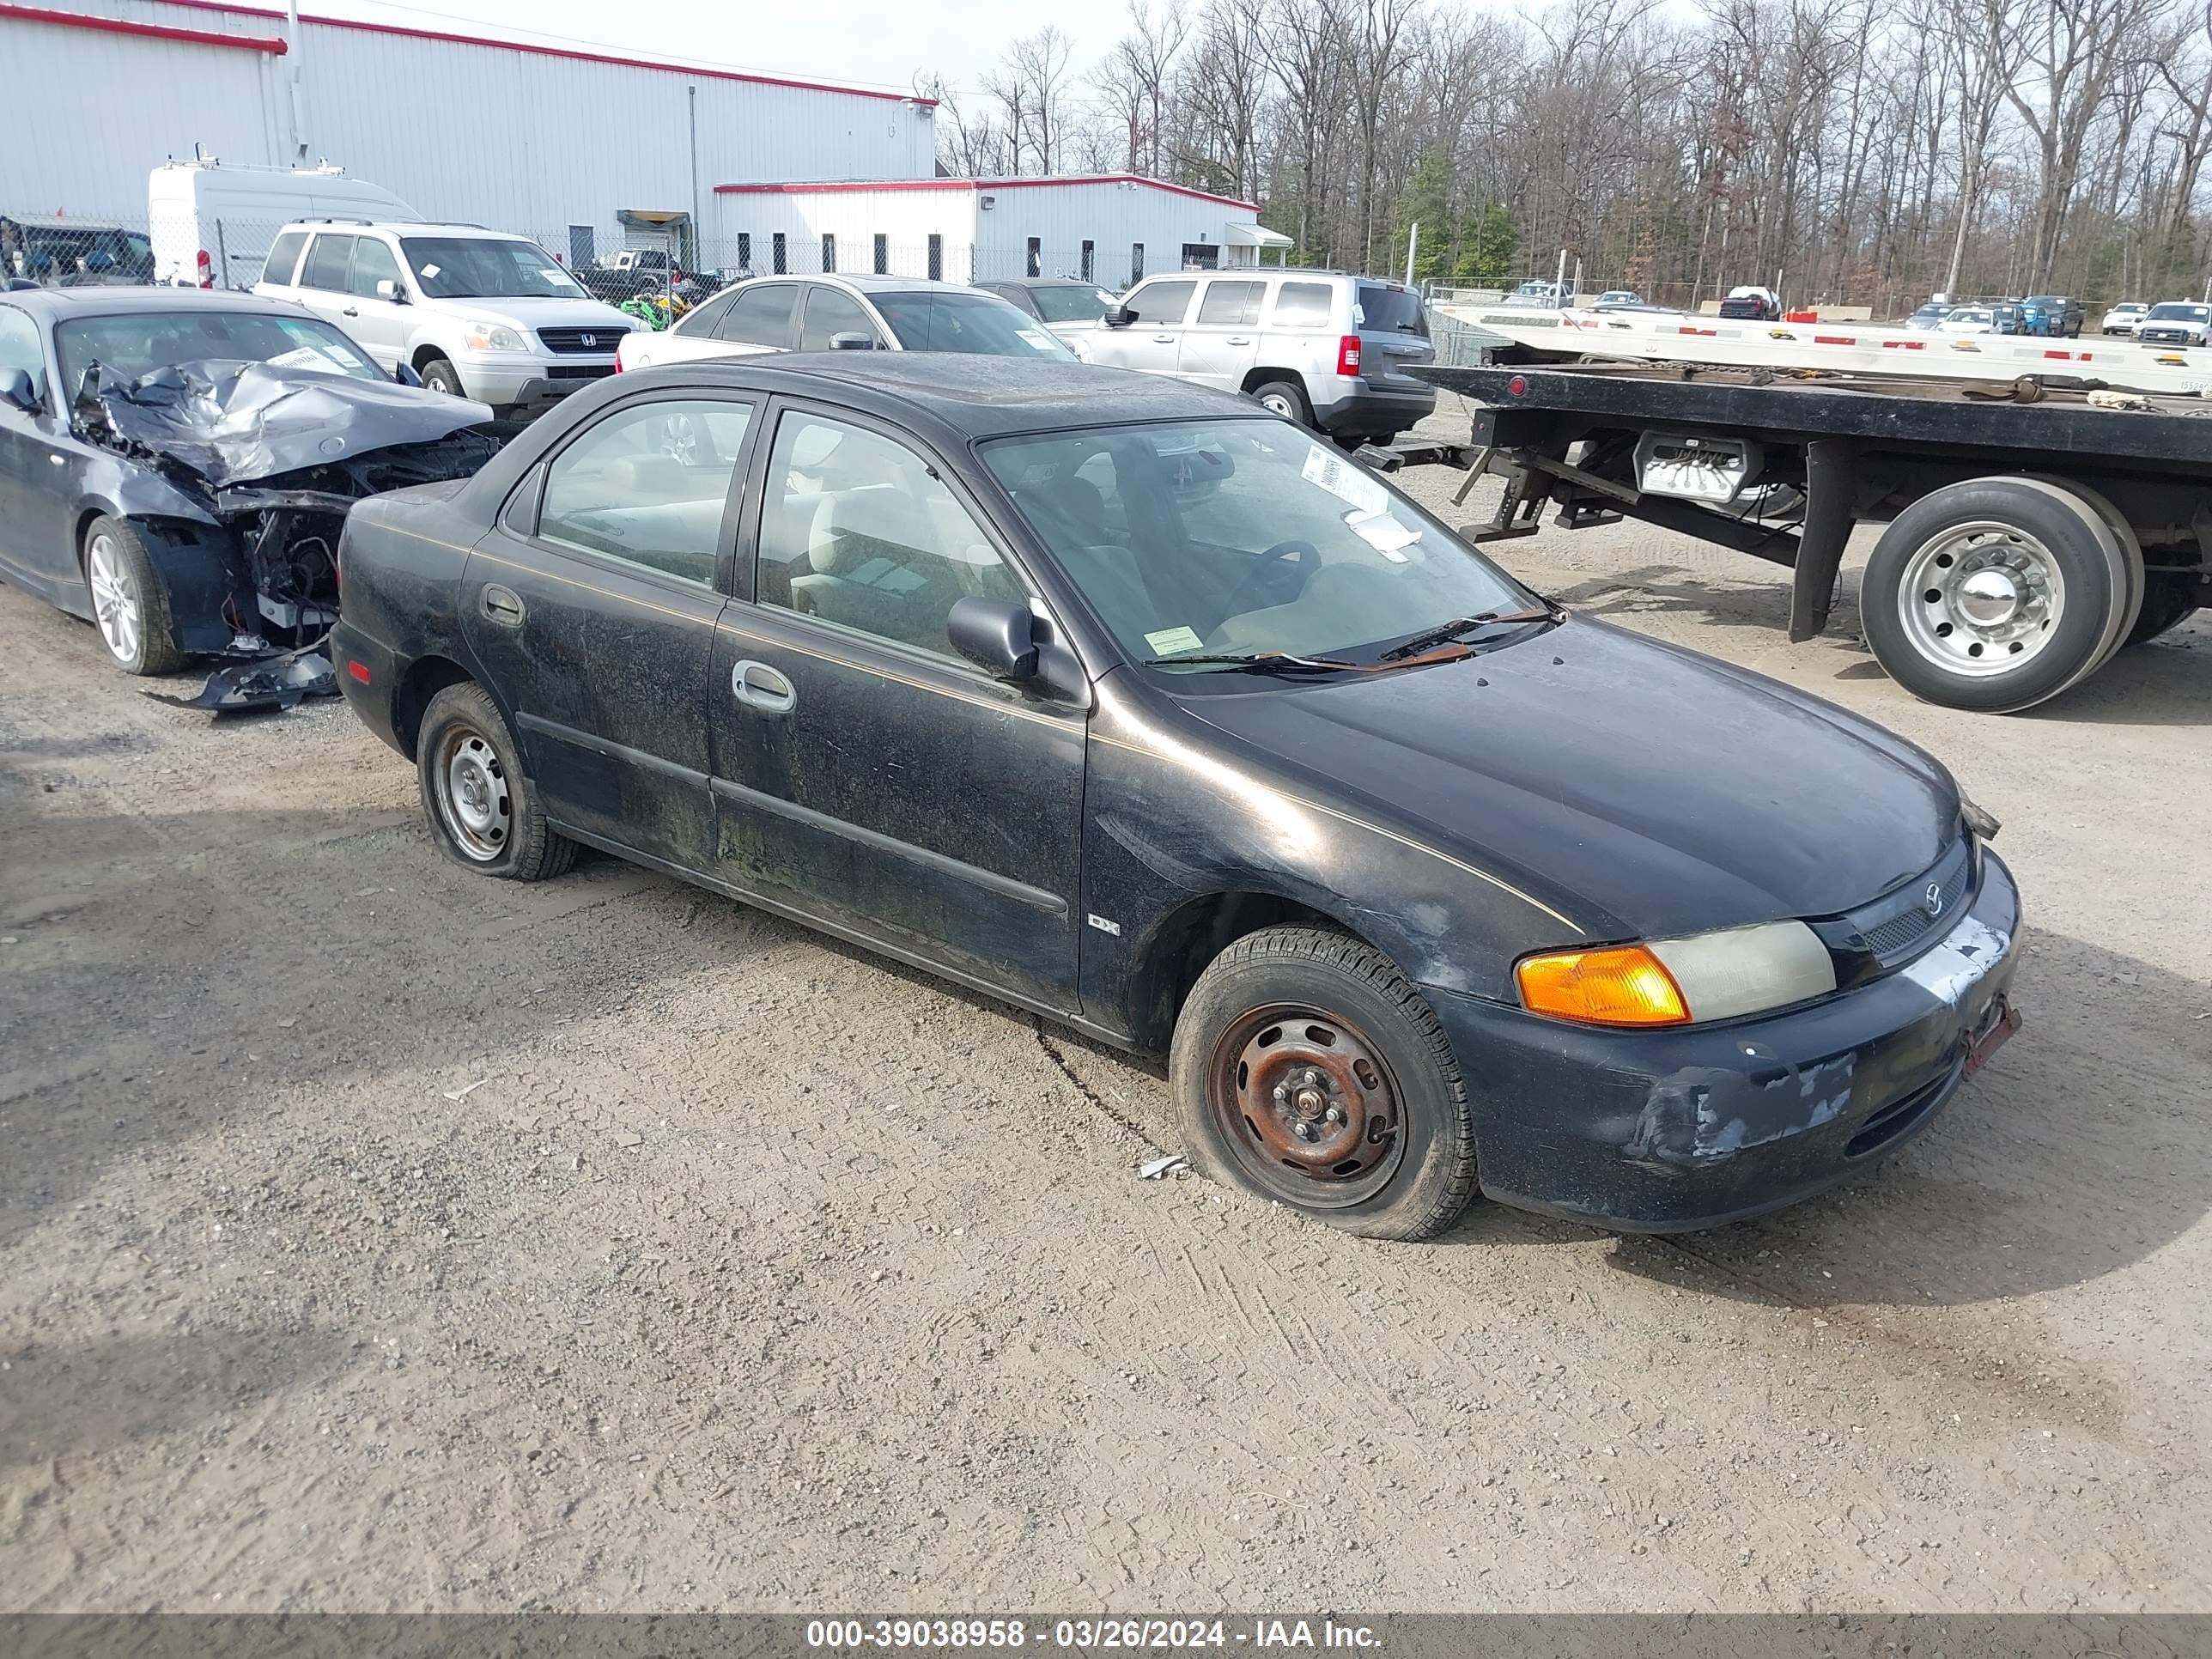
578,371
581,339
2163,335
1907,920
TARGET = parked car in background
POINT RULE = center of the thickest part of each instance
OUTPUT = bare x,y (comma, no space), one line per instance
133,422
1930,316
1968,319
477,314
1069,307
2054,314
1618,296
1325,350
211,222
1753,303
846,313
1536,292
2008,317
2175,322
71,253
627,273
2123,317
1130,705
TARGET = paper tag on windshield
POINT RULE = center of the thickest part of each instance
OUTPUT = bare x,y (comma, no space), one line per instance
1168,640
556,277
429,271
1034,338
1347,480
1383,533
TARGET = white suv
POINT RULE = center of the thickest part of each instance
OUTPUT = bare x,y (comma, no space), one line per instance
475,313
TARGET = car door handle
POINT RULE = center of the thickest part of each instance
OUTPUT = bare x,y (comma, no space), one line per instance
763,689
502,605
1163,339
350,310
1240,339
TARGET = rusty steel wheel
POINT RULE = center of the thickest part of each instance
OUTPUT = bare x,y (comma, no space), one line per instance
1306,1105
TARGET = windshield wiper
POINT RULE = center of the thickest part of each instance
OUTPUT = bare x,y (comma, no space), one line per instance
1445,632
1262,662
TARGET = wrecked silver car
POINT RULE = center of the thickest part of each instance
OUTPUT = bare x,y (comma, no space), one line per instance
187,495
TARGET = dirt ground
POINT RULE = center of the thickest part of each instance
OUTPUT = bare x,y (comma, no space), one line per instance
376,1237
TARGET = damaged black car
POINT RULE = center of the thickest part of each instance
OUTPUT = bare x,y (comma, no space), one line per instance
175,466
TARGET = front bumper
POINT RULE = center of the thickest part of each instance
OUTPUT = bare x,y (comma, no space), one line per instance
507,380
1669,1130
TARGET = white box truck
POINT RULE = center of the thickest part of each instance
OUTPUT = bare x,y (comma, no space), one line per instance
211,221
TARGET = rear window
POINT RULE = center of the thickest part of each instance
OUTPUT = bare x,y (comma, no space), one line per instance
1391,310
1302,305
284,257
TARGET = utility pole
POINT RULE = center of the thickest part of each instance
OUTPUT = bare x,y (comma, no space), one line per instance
1412,241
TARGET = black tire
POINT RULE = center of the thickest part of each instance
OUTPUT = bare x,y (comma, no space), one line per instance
464,747
2171,598
438,375
1286,398
117,572
1402,1139
2090,572
2128,549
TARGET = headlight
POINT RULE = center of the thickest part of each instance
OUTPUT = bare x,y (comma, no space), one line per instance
1675,981
493,336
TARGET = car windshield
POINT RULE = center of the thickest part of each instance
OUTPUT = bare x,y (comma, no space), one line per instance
1933,313
2172,313
136,343
982,324
1242,538
487,268
1072,304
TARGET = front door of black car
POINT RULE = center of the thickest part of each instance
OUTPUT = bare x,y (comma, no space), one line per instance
866,774
592,603
38,467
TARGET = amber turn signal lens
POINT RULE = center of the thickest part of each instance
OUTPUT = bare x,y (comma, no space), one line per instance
1622,985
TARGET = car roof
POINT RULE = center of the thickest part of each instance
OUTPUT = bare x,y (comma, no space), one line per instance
867,285
121,299
339,223
1035,282
972,395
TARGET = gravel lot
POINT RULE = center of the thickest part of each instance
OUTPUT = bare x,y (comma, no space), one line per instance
378,1237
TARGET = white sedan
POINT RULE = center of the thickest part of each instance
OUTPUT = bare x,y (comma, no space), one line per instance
2123,317
1968,319
843,313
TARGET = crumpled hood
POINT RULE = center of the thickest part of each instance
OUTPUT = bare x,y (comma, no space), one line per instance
232,422
1641,790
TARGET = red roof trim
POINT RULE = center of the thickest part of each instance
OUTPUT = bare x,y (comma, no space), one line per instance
575,54
984,184
77,20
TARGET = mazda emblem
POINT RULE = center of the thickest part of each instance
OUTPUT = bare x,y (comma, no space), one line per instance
590,339
1932,900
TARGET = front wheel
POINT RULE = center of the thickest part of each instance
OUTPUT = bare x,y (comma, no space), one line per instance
1994,594
438,375
483,811
1308,1070
129,600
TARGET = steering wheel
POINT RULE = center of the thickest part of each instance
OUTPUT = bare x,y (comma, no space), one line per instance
1297,555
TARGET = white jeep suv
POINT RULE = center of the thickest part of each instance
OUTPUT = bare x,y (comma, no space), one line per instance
475,313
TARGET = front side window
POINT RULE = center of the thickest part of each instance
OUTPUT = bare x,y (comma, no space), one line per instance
649,485
858,530
1070,305
136,343
1231,305
1160,303
831,311
372,263
1234,536
487,268
981,325
327,262
761,316
283,260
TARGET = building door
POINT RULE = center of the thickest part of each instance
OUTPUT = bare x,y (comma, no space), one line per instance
583,247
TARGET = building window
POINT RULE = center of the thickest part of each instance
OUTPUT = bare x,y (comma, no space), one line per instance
936,259
828,251
1136,262
1089,249
1035,257
882,254
776,247
744,250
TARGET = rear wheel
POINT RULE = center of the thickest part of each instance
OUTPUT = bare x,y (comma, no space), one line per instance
482,809
1285,398
1994,594
2171,599
1308,1070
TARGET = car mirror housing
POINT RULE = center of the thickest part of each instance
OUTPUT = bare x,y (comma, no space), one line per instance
1119,317
851,340
388,290
18,391
997,634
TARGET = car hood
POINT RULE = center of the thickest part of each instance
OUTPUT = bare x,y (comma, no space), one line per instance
1641,790
533,311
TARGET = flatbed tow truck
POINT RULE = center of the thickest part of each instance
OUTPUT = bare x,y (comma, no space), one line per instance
2047,502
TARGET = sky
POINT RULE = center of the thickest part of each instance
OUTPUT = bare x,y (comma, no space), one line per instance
876,43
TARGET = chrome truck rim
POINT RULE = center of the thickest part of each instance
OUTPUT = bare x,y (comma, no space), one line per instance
114,601
1981,599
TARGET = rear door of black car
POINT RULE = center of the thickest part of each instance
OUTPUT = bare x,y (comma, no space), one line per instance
592,603
865,773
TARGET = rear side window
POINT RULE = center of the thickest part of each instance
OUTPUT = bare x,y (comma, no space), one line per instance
372,263
1232,305
1391,310
704,320
1162,302
761,316
1302,305
283,260
327,262
648,485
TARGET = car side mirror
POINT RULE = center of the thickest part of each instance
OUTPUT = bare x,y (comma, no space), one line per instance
405,375
390,291
1119,317
19,392
851,340
997,634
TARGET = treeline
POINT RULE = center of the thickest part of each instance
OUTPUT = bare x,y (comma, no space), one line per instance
1856,151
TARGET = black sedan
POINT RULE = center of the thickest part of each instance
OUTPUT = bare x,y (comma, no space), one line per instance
1129,703
134,425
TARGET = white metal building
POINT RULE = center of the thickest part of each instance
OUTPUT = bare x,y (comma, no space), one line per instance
577,148
1109,229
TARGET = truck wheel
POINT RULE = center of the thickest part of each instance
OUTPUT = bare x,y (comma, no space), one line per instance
129,600
1994,594
483,810
438,375
1283,398
2171,599
2129,549
1306,1069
